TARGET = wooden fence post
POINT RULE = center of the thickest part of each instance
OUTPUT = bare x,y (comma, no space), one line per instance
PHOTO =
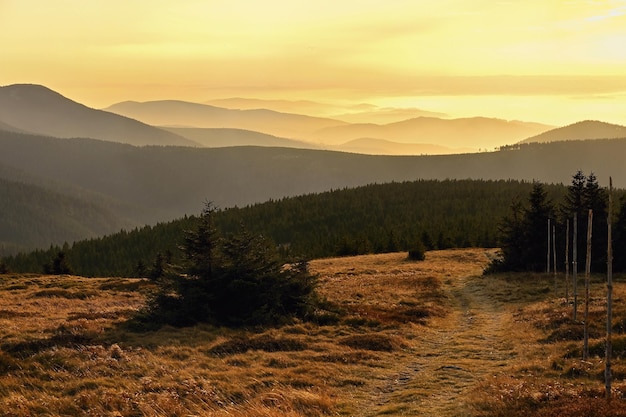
575,264
556,291
609,297
567,262
587,273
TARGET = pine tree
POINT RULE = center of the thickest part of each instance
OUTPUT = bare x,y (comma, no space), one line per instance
239,280
596,199
523,240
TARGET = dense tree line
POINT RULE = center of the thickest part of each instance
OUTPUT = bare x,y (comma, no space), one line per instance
369,219
524,231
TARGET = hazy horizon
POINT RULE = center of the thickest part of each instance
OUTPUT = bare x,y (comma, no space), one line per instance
549,62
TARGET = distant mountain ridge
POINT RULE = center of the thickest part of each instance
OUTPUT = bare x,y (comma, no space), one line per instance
178,113
222,137
359,113
475,132
369,146
37,109
466,133
586,129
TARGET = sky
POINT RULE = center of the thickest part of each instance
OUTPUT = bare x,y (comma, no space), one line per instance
550,61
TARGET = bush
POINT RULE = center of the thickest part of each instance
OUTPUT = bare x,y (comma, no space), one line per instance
417,251
235,281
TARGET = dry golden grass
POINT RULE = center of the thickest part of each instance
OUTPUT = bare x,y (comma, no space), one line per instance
429,338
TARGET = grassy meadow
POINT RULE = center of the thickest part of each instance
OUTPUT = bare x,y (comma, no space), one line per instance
429,338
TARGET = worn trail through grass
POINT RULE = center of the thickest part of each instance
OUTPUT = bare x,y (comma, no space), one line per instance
452,354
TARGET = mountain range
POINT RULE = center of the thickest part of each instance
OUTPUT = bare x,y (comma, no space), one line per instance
469,133
174,113
84,182
586,129
39,110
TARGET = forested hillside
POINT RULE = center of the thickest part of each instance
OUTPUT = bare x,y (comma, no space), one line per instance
155,184
373,218
33,216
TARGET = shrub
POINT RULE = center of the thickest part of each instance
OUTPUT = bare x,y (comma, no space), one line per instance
417,251
234,281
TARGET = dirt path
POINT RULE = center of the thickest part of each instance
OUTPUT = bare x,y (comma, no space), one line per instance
453,354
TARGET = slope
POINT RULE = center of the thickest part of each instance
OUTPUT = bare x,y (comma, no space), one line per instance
172,181
39,110
185,114
587,129
385,147
221,137
33,217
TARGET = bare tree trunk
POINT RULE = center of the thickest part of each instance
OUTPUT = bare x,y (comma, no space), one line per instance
609,297
567,262
587,273
575,264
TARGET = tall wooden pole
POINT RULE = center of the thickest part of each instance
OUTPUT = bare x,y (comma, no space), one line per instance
567,262
548,246
575,264
609,297
587,273
556,291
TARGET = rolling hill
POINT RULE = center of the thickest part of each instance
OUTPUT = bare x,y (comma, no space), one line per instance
34,216
386,115
175,113
384,147
168,182
587,129
39,110
359,113
477,132
222,137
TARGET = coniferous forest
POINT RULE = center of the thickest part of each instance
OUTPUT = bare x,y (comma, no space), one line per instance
376,218
370,219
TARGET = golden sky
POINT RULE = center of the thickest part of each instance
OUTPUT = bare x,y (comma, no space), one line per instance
554,61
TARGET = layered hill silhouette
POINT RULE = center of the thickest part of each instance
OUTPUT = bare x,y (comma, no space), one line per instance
386,115
587,129
167,182
122,184
174,113
222,137
359,113
476,132
39,110
370,146
468,133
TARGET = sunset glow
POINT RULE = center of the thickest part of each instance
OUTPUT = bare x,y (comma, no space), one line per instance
555,62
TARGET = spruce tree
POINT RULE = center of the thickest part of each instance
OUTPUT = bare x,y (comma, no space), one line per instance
238,280
535,225
596,199
524,239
